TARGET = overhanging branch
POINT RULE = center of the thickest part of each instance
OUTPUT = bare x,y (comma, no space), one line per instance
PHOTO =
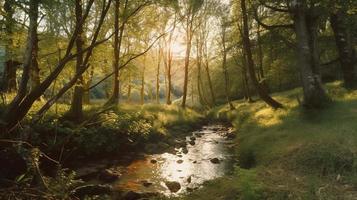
128,61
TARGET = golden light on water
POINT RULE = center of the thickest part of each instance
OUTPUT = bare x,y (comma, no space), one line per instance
190,169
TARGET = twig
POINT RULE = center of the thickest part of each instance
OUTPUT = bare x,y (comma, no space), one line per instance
29,145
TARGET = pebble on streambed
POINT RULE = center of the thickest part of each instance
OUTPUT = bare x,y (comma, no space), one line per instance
146,183
215,161
173,186
109,175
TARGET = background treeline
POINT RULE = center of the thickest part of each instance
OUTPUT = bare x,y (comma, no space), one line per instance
78,51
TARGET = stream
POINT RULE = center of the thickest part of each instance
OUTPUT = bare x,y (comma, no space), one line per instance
206,157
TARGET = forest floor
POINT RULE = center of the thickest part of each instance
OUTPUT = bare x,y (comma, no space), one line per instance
290,153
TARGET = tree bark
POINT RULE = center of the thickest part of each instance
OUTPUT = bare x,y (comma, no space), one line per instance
247,48
346,51
169,82
314,93
260,54
224,66
32,33
76,111
189,24
246,87
158,76
118,36
35,70
209,79
199,47
142,90
129,88
9,77
86,85
8,83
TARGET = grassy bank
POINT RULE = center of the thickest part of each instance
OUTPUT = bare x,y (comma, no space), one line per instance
291,153
126,128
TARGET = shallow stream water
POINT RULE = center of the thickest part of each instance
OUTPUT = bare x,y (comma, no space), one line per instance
190,166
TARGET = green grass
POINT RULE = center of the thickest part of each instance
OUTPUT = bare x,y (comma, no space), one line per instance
290,153
294,153
123,128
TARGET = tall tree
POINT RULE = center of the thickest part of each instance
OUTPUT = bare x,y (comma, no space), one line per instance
9,83
199,60
224,25
157,97
34,69
23,101
190,7
167,58
129,10
340,23
305,17
250,63
142,89
305,24
118,36
89,50
76,110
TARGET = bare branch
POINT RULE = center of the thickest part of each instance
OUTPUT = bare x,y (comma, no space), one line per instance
89,51
278,9
127,62
269,27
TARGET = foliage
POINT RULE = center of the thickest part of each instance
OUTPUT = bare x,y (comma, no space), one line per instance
62,185
121,129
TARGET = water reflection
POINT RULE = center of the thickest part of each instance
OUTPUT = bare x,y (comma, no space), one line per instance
190,169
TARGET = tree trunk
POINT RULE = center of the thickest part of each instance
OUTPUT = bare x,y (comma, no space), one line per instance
245,78
226,83
158,77
8,83
199,63
314,93
142,90
247,48
118,36
210,85
168,64
32,33
224,65
9,76
76,111
35,70
260,55
169,84
86,85
187,58
346,51
129,88
114,99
